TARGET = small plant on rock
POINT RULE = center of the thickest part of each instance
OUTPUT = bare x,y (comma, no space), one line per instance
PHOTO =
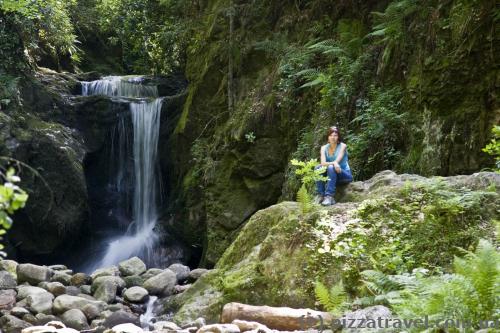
309,175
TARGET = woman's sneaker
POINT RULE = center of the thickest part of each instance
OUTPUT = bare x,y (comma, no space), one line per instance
318,199
328,201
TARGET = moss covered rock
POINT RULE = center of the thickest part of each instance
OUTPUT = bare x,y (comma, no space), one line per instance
398,222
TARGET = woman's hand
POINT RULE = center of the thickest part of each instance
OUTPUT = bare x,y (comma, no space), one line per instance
337,167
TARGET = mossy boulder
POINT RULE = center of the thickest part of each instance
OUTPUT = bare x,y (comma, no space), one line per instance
399,222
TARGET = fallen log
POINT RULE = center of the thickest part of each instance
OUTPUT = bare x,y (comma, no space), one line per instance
279,318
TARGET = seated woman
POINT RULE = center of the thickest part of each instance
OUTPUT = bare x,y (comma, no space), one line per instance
334,157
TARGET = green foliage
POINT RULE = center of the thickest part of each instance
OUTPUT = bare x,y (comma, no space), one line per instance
333,300
12,198
8,90
377,133
304,199
307,171
493,148
470,293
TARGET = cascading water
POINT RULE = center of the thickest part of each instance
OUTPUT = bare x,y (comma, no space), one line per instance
145,107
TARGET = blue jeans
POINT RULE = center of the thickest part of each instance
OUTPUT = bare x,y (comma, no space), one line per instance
334,179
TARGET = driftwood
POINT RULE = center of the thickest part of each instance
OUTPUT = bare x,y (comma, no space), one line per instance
282,318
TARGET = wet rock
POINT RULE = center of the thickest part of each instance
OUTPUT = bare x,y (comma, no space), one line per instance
107,271
195,274
117,281
80,279
25,291
181,271
133,281
76,319
132,266
198,322
89,297
161,284
61,277
7,299
7,281
64,303
151,272
11,324
19,312
106,291
117,307
40,303
32,274
136,294
219,328
121,317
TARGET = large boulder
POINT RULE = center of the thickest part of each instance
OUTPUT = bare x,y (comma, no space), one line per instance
121,317
390,211
7,299
117,281
9,266
106,291
181,271
33,274
24,291
132,266
106,271
161,284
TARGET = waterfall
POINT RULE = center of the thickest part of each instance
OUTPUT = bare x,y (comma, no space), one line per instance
145,107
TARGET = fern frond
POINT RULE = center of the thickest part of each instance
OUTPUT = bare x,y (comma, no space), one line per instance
304,200
322,294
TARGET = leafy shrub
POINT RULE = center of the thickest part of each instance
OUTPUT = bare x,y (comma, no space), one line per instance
493,148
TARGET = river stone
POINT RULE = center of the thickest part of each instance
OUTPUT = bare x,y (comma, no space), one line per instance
33,274
162,284
106,291
9,266
80,279
55,288
181,288
29,318
120,284
219,328
121,317
107,271
132,266
64,303
133,281
198,322
166,325
67,271
7,281
61,277
89,297
7,299
125,328
135,294
58,267
117,307
40,303
97,323
18,311
91,311
85,289
42,319
195,274
76,319
150,273
11,324
24,291
181,271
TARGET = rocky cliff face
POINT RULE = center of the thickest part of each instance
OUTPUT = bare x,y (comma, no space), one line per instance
232,162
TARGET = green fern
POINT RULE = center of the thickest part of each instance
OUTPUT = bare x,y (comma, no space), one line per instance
304,200
333,300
